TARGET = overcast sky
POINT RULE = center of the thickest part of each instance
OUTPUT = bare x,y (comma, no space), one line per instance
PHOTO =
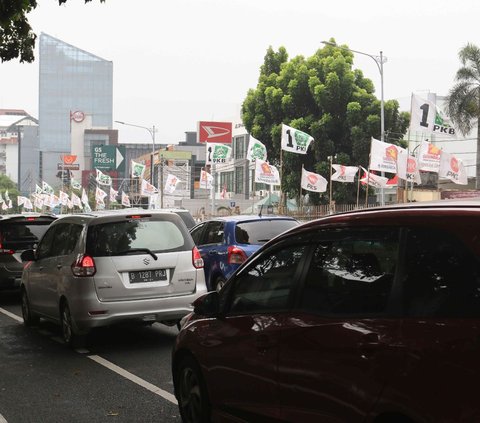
176,62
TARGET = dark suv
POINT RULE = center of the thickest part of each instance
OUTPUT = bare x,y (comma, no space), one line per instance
18,232
368,316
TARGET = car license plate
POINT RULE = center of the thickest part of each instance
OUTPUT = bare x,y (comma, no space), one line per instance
148,276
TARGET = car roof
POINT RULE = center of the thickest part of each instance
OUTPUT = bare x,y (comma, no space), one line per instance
5,217
250,217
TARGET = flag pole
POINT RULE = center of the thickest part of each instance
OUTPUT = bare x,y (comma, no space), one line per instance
300,196
330,197
358,185
368,184
281,178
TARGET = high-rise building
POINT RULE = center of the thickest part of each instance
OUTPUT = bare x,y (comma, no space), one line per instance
72,83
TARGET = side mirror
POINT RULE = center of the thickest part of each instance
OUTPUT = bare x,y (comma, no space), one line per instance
28,255
207,305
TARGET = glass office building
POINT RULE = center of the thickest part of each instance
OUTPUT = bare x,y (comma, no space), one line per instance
70,80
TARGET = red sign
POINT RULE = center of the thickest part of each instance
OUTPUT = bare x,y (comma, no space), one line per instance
77,116
68,158
219,132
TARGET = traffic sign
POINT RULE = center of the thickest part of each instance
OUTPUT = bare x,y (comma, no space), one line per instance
108,157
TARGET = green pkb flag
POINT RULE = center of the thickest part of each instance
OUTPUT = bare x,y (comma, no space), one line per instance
256,150
103,179
138,169
218,153
75,184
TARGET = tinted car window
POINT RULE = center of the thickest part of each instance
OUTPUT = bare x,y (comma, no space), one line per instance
213,233
261,231
266,284
442,276
22,234
66,238
351,273
197,233
46,244
118,237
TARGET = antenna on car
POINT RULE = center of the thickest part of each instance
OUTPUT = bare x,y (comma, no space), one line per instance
260,212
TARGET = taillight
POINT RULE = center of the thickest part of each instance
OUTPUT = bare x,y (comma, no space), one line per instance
84,266
197,258
6,251
236,255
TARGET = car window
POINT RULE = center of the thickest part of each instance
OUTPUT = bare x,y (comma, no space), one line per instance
442,276
261,231
46,244
351,272
22,234
266,284
187,218
213,233
110,238
197,234
66,238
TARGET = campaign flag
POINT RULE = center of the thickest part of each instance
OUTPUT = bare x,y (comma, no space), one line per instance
103,179
4,206
407,167
138,169
38,189
426,117
223,194
392,182
429,157
217,153
47,189
383,156
10,205
20,200
148,188
113,195
294,140
84,197
256,150
75,184
344,173
38,201
373,180
171,184
7,198
206,180
76,200
453,169
1,198
69,204
100,194
266,173
125,200
63,196
313,181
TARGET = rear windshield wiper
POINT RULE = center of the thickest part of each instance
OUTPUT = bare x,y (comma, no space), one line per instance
137,250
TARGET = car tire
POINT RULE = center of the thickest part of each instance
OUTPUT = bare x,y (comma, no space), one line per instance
71,337
29,318
192,394
219,282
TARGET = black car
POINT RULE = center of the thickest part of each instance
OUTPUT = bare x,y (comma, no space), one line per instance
18,232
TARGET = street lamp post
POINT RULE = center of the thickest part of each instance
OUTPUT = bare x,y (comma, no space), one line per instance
379,60
152,134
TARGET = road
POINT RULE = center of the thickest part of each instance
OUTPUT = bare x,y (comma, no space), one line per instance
123,375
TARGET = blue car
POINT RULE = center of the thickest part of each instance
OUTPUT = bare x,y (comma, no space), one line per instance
226,242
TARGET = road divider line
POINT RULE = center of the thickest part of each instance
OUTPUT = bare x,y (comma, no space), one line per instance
14,317
135,379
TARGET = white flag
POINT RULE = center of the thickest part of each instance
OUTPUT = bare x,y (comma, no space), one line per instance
38,202
266,173
408,167
138,169
256,150
84,197
103,179
125,200
4,206
344,173
100,194
148,188
7,198
206,180
313,181
76,200
47,189
20,200
63,196
453,169
429,157
75,184
1,198
428,118
113,195
38,189
10,205
373,180
383,156
294,140
217,153
28,204
171,183
69,204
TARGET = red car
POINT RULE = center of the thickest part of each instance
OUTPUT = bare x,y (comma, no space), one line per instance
367,316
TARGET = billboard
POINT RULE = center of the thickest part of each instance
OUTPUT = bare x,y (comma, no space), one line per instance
219,132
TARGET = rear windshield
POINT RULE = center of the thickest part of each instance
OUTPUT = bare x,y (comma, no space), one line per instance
118,237
261,231
22,234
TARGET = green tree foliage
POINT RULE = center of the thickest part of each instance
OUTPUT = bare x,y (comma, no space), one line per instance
325,97
463,100
17,40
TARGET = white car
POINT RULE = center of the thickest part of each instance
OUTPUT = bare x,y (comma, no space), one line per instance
100,268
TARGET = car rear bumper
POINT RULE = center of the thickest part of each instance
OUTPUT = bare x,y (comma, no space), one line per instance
91,313
10,278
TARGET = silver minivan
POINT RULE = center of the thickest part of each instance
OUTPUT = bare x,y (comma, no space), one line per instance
100,268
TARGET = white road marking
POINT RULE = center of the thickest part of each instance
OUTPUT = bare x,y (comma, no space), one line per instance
135,379
2,419
14,317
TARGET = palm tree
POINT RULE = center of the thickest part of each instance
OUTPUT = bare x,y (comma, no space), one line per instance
463,101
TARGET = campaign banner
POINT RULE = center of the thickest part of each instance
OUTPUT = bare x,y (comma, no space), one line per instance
215,132
429,157
373,180
217,154
138,169
313,181
344,173
266,173
383,156
206,180
407,167
256,150
294,140
427,117
148,188
453,169
171,184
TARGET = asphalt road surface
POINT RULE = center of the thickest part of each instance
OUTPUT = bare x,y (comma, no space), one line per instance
122,376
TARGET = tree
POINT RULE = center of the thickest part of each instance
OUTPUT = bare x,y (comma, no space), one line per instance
463,100
17,39
325,97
